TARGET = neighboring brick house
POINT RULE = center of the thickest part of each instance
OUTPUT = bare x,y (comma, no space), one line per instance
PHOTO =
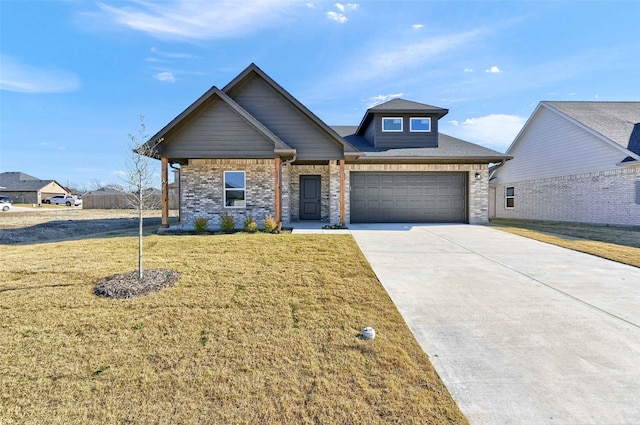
253,149
573,161
26,189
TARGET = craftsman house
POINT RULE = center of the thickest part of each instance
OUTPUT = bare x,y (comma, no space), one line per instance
251,148
573,161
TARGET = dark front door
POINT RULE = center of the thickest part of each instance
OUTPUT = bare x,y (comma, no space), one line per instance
309,197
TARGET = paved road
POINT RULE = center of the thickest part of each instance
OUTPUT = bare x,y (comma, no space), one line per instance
520,331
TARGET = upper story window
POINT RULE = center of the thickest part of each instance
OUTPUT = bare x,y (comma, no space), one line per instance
392,124
234,189
420,125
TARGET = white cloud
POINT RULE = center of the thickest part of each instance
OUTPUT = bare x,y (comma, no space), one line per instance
165,77
381,98
493,70
385,61
468,70
338,17
495,130
199,20
18,77
417,26
120,174
173,55
311,5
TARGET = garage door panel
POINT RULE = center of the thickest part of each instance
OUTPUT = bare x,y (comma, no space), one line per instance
408,197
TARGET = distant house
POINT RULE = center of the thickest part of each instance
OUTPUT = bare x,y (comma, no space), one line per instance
26,189
573,161
251,148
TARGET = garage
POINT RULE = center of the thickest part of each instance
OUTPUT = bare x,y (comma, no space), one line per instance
408,198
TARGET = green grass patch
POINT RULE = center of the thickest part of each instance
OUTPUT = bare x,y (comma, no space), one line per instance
260,328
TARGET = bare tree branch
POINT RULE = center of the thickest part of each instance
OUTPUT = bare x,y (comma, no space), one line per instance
139,181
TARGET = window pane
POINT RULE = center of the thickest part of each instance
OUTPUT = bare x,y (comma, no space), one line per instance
234,198
234,179
510,191
510,202
392,124
420,124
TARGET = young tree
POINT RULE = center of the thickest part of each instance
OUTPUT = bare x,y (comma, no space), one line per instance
139,179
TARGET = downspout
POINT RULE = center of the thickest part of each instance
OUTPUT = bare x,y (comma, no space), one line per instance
496,167
179,193
282,164
495,196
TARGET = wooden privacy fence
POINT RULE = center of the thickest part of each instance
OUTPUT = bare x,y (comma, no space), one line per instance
120,201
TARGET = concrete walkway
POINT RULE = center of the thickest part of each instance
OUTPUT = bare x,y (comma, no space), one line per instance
520,331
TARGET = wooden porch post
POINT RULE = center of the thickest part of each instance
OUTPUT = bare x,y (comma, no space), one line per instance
277,190
165,192
342,192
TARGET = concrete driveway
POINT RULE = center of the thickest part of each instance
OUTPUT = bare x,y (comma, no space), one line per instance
520,331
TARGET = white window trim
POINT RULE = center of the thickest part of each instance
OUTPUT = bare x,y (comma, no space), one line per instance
419,118
224,188
509,197
393,118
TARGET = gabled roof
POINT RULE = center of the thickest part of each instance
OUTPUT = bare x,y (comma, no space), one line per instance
21,182
617,121
399,106
156,140
253,69
449,149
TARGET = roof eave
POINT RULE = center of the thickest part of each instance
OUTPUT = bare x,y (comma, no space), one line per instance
431,159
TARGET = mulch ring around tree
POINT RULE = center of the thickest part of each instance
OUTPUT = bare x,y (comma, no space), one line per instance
128,285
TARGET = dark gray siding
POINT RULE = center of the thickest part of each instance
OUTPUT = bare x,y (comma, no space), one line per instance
285,120
370,132
406,139
408,198
216,131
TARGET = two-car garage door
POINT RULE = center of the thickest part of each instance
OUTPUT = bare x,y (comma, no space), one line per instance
408,198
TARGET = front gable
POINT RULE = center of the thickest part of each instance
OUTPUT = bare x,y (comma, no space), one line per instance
286,117
215,130
214,126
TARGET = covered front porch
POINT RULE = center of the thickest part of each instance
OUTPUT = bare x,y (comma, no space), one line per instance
290,192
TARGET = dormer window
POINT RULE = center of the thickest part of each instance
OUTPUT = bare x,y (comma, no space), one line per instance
392,124
420,125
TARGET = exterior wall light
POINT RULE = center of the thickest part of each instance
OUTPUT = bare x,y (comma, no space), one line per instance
478,176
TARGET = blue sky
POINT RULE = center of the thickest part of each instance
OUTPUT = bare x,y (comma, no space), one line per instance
76,75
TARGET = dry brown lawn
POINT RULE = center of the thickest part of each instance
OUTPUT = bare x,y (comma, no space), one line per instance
617,243
259,329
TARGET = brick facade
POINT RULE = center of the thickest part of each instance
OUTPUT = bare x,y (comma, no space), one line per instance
605,197
201,183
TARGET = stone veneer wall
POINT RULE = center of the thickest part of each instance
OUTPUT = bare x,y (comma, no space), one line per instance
605,197
477,189
293,173
202,192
